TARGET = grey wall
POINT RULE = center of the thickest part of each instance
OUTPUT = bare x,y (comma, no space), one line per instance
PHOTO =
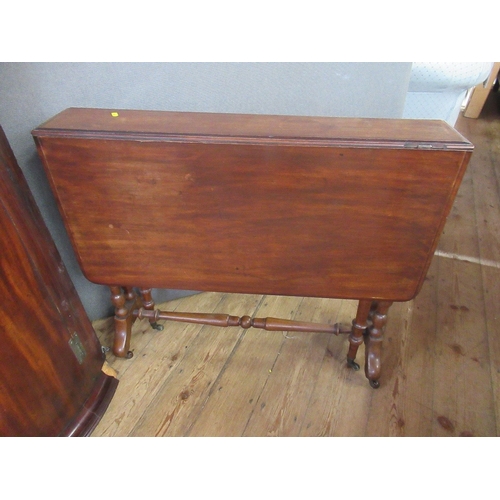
31,93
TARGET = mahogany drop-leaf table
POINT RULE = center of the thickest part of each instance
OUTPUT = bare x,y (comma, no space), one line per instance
285,205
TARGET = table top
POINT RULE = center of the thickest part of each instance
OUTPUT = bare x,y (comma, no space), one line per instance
252,128
324,207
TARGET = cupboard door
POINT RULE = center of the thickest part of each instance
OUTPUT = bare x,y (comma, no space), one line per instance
51,378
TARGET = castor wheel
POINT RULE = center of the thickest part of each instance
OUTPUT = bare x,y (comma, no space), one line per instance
352,364
129,355
375,384
157,326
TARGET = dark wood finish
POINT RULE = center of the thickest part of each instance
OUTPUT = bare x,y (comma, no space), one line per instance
94,407
47,388
373,341
334,208
359,326
125,303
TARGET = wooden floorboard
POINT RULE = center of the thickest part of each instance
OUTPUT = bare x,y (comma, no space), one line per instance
441,359
196,381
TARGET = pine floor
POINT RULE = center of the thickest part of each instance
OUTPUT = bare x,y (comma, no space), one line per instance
441,361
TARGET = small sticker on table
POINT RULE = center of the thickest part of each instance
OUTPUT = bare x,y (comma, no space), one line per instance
114,114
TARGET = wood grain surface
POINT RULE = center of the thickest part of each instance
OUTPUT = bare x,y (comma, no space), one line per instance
171,202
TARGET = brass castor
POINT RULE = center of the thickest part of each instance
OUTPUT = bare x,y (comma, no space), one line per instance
157,326
129,355
352,364
375,384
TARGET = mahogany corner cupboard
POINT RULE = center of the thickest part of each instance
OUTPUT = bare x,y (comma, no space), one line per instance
286,205
51,378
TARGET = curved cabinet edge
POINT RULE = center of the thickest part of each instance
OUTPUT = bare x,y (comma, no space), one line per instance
94,408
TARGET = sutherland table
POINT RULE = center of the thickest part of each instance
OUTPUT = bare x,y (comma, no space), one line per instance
305,206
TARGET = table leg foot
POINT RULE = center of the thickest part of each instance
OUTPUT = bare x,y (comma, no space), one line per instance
149,304
124,301
359,325
373,343
352,364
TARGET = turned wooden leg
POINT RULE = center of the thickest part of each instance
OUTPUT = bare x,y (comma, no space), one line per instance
123,323
149,304
359,325
373,310
129,293
373,341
